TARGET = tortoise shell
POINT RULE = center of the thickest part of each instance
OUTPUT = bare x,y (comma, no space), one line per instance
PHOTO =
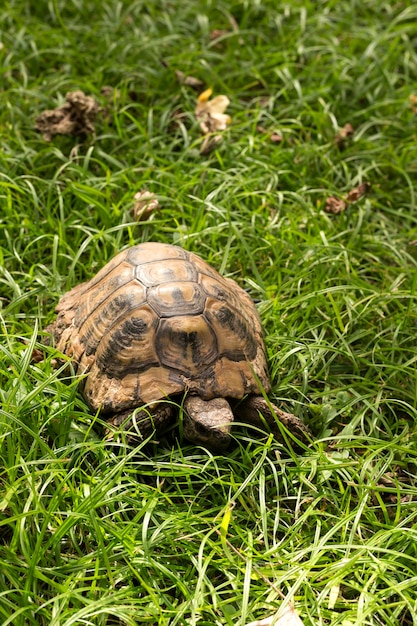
157,321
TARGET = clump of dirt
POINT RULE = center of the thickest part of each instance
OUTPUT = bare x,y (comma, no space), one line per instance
76,117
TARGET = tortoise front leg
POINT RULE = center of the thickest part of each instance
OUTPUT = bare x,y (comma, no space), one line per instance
140,424
257,411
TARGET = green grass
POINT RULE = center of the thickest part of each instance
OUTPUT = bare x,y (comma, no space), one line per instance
168,533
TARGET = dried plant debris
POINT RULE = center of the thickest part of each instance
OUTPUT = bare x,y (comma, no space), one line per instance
336,205
358,192
216,33
220,33
275,136
413,102
76,117
190,81
288,617
37,355
344,133
212,118
210,142
146,203
110,92
211,113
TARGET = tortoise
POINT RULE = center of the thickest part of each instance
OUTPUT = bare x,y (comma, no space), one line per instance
157,325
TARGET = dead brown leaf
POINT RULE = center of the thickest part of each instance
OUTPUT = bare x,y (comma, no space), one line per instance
211,113
287,618
335,205
358,192
275,136
413,101
344,133
37,355
190,81
216,33
146,203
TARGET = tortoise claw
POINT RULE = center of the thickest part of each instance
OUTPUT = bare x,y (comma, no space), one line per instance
257,411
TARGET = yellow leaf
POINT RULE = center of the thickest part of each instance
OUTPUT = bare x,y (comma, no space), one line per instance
205,95
211,113
224,528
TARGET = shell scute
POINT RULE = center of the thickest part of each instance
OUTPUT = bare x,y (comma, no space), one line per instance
187,344
235,338
157,273
93,328
96,293
177,298
130,347
152,251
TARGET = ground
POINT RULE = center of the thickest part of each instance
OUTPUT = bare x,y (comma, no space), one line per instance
306,197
